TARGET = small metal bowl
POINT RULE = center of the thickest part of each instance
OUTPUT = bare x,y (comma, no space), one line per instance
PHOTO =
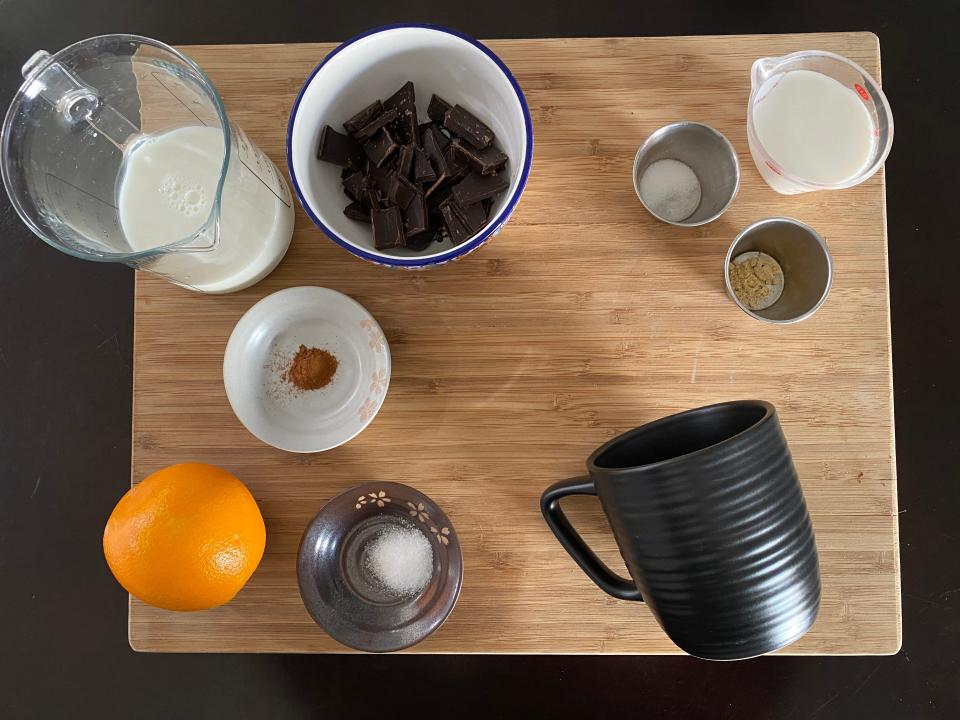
705,151
804,259
338,591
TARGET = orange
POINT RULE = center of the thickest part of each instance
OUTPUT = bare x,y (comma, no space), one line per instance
186,538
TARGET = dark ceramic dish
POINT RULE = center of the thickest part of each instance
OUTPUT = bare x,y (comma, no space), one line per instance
339,593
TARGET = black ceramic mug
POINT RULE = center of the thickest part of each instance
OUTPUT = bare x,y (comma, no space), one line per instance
708,513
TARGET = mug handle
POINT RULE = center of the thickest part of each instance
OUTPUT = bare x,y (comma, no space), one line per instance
594,567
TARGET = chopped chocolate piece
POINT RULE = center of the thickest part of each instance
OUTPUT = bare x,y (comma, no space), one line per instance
456,164
475,187
335,147
405,103
379,178
402,191
437,109
433,188
455,228
379,147
415,216
405,161
354,124
433,205
353,185
420,241
371,128
484,161
370,199
433,150
423,128
422,169
473,216
357,160
355,211
387,228
442,138
464,123
488,206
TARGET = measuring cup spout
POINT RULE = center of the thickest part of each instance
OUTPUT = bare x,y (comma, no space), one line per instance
75,101
761,70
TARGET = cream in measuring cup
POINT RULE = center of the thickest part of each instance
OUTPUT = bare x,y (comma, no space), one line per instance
816,121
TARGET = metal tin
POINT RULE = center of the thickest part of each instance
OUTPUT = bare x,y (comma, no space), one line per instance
705,151
803,257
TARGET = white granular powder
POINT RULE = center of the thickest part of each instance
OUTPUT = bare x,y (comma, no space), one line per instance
401,559
670,189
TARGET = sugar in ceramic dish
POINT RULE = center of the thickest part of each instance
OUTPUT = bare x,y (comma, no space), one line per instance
380,567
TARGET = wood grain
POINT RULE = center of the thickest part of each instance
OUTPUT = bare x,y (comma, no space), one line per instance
582,319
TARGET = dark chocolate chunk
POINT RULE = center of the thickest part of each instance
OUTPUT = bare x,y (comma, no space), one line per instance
335,147
423,128
433,205
355,211
402,191
455,228
357,160
379,178
379,147
457,167
433,150
440,135
405,161
422,169
370,199
371,128
484,161
476,187
422,240
415,216
436,186
404,101
464,123
387,228
353,185
473,216
354,124
437,109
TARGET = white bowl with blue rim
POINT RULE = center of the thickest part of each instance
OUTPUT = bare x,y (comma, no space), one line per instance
373,66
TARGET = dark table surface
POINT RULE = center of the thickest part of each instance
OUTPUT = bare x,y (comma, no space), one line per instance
65,380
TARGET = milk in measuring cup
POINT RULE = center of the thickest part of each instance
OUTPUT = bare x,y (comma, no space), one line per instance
165,193
814,127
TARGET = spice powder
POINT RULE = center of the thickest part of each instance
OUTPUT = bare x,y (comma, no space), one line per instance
311,368
753,279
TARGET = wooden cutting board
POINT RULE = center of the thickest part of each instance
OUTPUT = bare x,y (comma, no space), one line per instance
582,319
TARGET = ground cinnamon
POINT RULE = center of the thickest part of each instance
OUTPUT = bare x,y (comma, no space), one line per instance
311,368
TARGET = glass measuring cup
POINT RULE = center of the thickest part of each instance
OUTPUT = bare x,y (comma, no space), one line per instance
118,149
765,74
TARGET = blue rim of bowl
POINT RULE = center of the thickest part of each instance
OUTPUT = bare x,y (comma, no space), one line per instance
491,228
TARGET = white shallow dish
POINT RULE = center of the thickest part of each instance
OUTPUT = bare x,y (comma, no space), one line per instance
373,66
261,347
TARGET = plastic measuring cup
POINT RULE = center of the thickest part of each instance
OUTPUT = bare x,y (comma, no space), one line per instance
202,205
764,75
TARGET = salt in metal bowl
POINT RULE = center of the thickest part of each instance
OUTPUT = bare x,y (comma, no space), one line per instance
705,151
